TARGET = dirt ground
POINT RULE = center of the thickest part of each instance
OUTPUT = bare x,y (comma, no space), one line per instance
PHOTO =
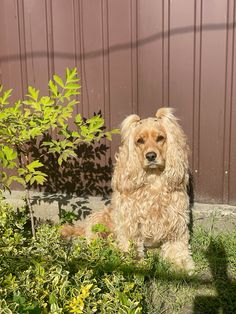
220,218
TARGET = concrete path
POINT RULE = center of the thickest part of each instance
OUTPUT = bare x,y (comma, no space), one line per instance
50,206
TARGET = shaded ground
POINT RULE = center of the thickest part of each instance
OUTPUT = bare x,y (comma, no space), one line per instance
51,206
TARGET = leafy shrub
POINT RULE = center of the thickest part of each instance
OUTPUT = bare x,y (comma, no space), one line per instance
24,121
24,124
49,275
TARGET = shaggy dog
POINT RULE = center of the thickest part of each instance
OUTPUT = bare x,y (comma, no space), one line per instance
149,204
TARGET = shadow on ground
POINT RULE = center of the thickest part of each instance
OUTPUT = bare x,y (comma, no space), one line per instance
225,300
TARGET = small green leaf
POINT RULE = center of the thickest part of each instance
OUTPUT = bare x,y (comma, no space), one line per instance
108,136
4,98
60,160
45,100
58,80
22,171
72,86
34,164
9,153
75,134
53,88
100,228
39,179
3,176
28,177
50,144
70,75
78,119
115,131
28,102
84,130
16,179
33,93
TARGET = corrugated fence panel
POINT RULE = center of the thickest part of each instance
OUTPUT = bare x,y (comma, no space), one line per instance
134,56
92,60
36,50
63,23
212,97
150,50
232,168
232,164
181,86
120,75
11,72
93,82
63,36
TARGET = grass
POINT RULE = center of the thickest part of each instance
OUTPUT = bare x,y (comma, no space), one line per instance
211,290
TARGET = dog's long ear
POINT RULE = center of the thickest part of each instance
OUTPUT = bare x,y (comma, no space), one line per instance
128,171
127,125
176,171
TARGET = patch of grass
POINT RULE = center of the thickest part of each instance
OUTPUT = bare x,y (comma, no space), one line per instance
213,287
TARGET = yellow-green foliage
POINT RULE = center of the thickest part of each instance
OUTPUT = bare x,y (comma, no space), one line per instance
25,122
49,275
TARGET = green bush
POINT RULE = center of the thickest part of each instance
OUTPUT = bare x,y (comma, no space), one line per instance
25,124
50,275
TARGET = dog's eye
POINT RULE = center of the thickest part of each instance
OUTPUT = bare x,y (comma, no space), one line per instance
160,138
140,140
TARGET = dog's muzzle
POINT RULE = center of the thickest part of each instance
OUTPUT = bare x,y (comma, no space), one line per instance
152,161
151,156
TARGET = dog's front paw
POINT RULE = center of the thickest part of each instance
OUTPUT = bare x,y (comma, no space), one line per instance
188,266
178,253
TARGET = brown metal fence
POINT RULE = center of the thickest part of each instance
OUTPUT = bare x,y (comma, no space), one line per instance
134,56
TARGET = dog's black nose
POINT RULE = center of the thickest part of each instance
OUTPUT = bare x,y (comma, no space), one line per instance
151,156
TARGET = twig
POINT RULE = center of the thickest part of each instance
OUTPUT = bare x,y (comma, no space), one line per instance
30,211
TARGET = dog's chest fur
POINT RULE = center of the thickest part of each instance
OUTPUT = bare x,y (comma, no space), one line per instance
147,212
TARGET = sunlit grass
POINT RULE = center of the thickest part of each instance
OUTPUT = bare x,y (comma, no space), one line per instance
212,289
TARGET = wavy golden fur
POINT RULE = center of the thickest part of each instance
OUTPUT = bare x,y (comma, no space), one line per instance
149,204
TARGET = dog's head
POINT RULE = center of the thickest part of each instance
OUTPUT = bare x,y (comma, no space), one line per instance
150,142
154,145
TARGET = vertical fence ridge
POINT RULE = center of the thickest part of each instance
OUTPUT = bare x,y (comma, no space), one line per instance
165,51
134,54
231,187
22,45
106,67
49,38
78,65
228,100
197,86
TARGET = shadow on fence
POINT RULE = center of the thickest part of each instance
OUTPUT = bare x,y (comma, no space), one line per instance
89,174
190,191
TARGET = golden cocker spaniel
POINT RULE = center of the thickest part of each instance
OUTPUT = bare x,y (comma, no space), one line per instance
149,203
